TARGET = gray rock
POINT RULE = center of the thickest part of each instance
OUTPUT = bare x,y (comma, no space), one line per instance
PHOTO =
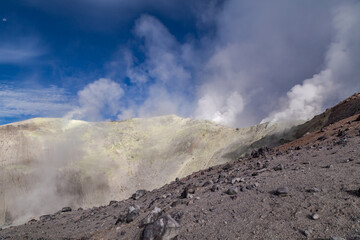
207,183
215,187
66,209
227,166
151,217
178,215
322,138
279,167
165,228
188,191
337,238
46,217
308,232
315,216
138,194
313,190
235,180
131,216
232,191
282,191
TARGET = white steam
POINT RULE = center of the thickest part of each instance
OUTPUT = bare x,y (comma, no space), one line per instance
239,73
98,99
306,99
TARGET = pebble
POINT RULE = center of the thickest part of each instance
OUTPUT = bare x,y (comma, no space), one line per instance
207,183
232,191
138,194
313,190
215,187
315,216
188,191
282,191
279,167
308,233
235,180
66,209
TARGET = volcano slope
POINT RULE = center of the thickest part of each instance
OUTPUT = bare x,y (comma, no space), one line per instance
305,189
49,163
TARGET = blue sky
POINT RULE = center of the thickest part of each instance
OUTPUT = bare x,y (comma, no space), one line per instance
233,62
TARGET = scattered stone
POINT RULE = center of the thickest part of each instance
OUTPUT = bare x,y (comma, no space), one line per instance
307,233
235,180
315,216
282,191
313,190
250,187
255,154
32,221
188,191
46,217
232,191
178,215
66,209
151,217
279,167
340,133
329,166
341,141
322,138
215,187
132,216
227,166
165,228
207,183
138,194
298,148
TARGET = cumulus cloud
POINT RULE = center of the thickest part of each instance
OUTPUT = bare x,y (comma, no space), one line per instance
97,101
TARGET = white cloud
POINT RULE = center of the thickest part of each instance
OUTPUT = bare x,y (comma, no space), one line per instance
46,102
97,101
163,77
20,50
252,55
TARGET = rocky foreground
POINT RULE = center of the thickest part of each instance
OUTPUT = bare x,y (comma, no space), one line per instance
306,189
